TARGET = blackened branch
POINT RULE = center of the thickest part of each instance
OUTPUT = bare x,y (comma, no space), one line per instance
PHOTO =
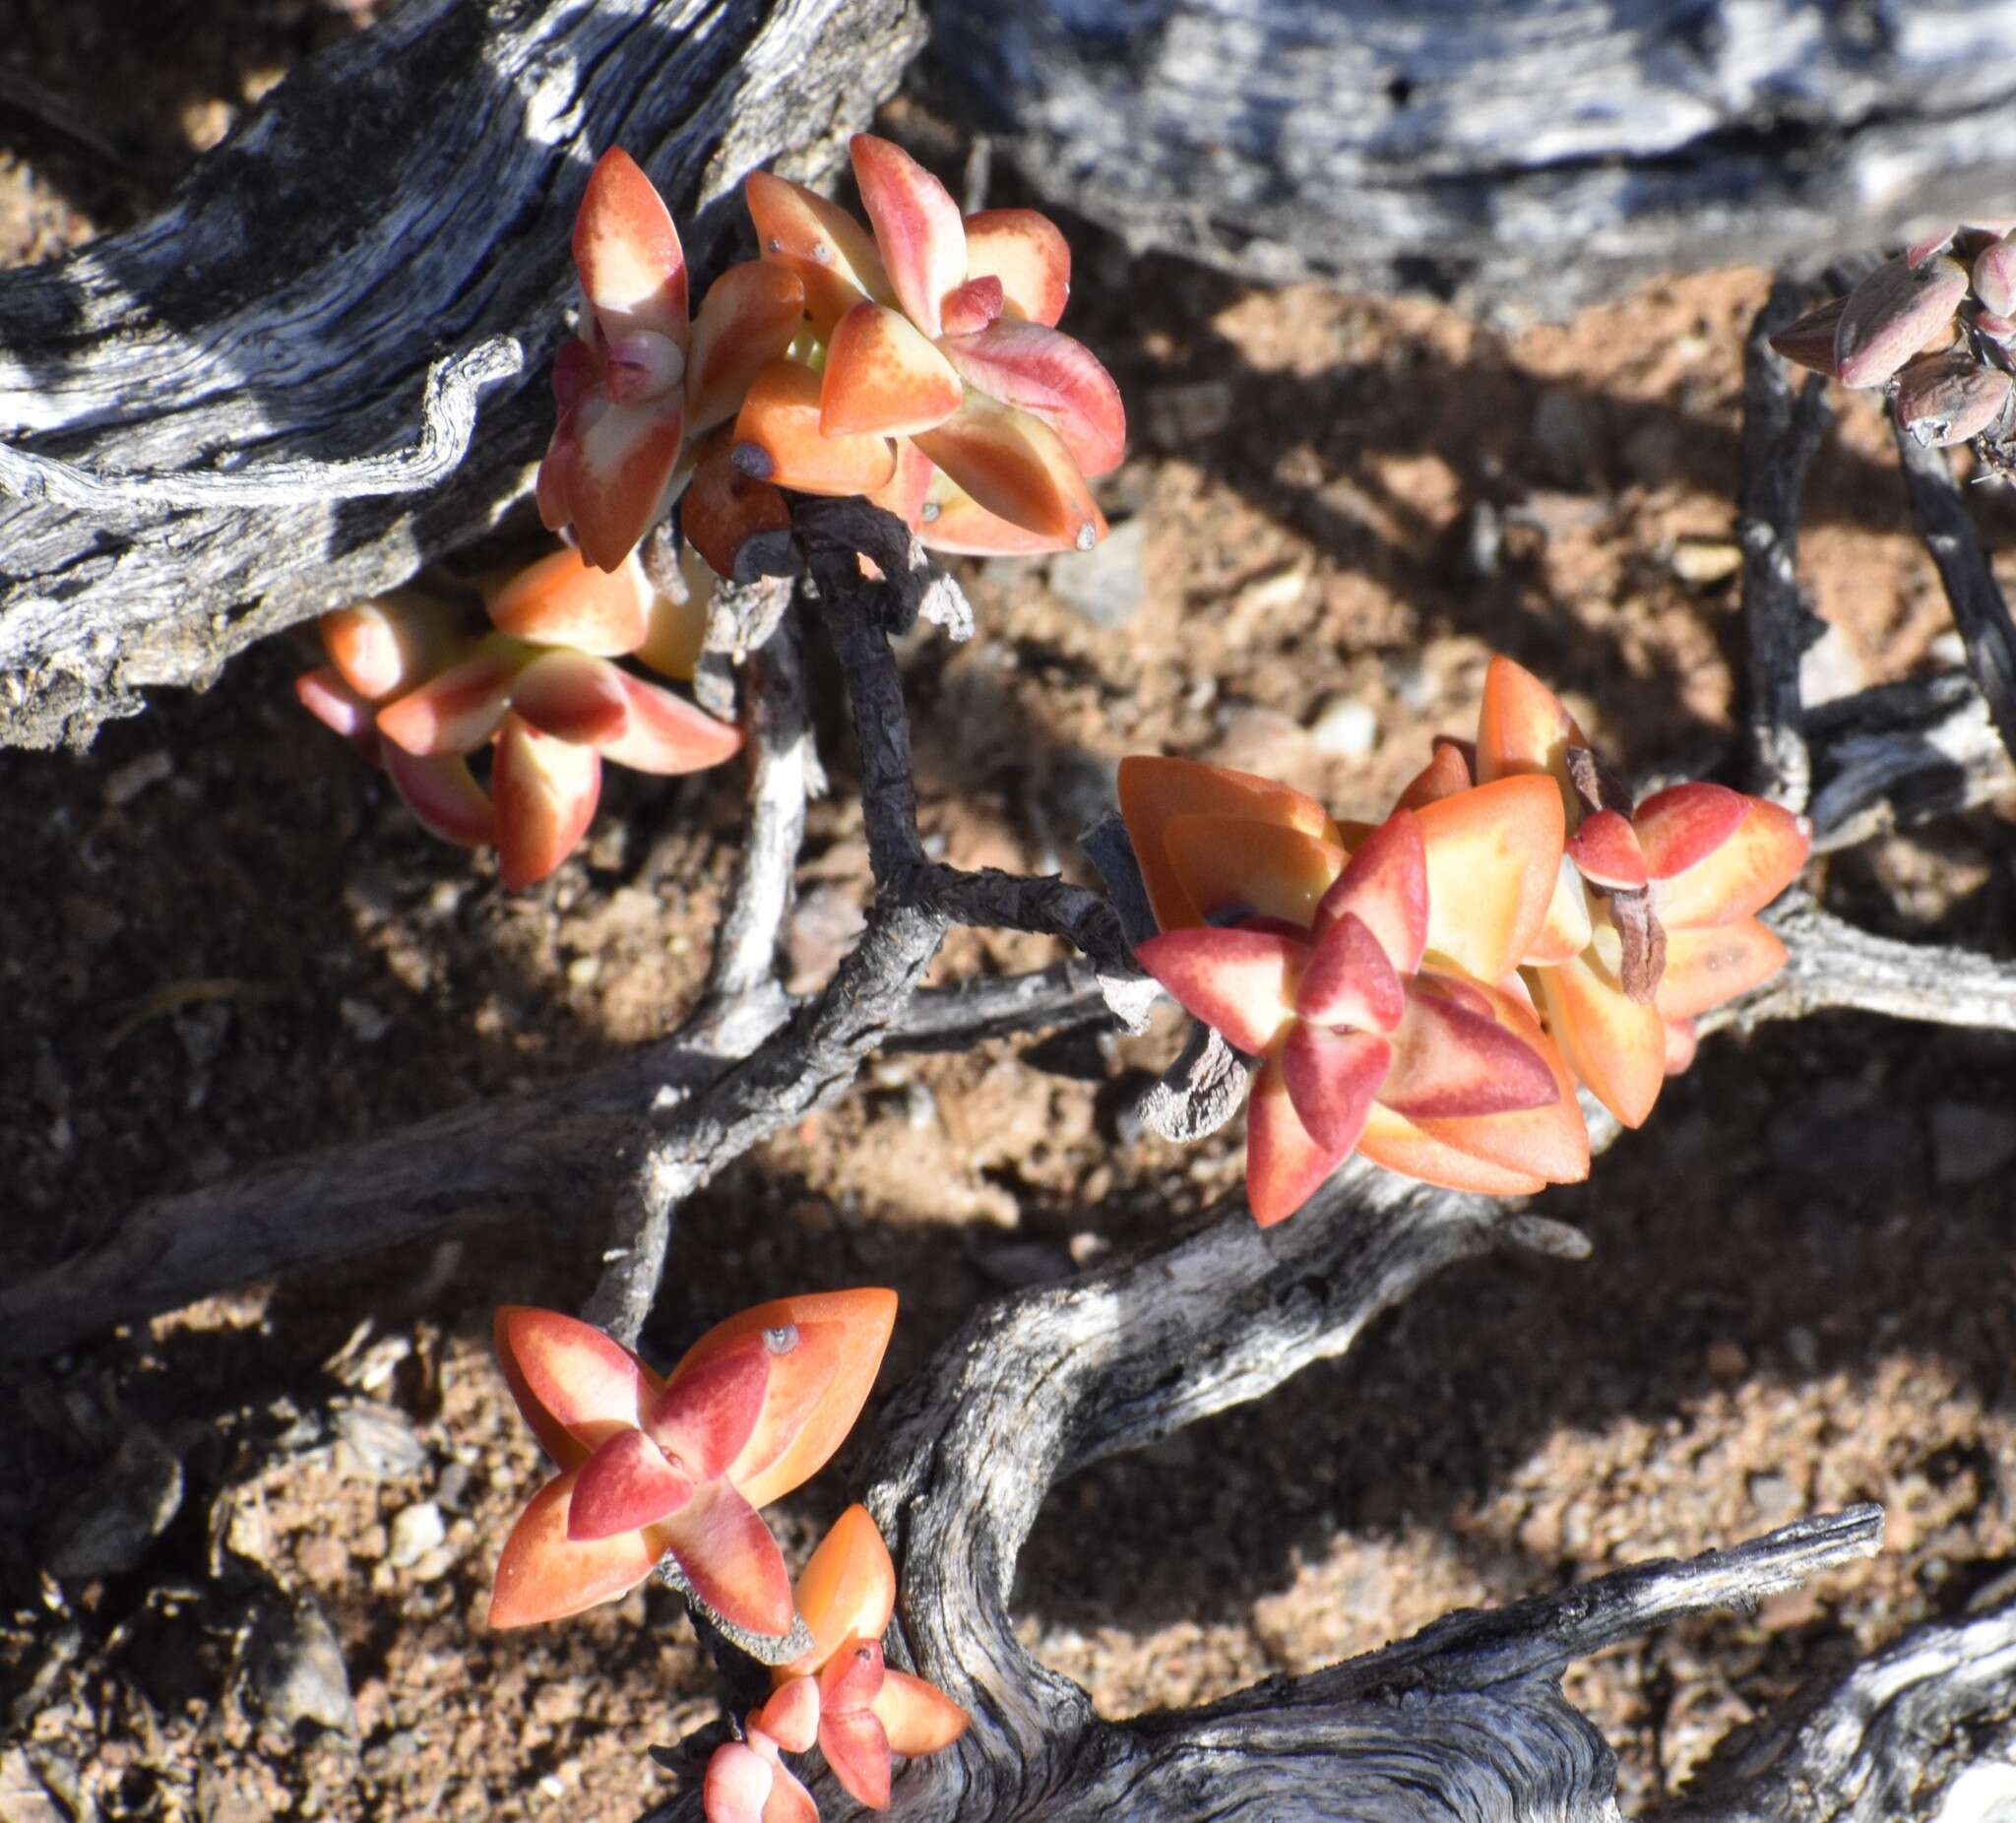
1980,609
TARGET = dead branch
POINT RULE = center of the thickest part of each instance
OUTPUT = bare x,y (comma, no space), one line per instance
1980,610
1780,436
191,405
1545,156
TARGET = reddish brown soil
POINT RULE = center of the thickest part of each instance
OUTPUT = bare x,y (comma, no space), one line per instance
223,941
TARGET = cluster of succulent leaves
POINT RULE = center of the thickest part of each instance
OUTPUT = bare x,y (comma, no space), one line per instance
917,365
1429,990
1936,326
677,1468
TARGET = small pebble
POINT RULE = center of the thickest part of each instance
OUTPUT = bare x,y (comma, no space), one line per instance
1345,729
295,1667
126,1506
416,1531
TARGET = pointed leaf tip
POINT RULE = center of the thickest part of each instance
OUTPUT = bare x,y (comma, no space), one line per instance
627,1484
627,252
917,228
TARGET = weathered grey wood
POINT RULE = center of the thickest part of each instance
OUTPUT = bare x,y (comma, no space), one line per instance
1464,1721
406,194
1532,153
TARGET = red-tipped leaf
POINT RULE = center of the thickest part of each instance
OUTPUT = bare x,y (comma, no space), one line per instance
790,1717
917,228
575,1386
1755,860
825,1349
626,1485
633,271
384,648
323,693
545,793
728,1554
830,253
1333,1079
1451,1062
1385,886
707,1412
1053,377
1028,253
883,378
612,470
1605,851
545,1575
750,318
443,793
972,306
1017,466
1286,1165
778,439
667,734
572,696
459,710
1240,982
846,1589
561,601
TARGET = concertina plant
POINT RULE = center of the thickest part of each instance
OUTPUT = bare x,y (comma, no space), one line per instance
916,363
1429,990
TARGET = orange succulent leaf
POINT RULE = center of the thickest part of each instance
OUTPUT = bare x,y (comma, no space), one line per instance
1332,1078
709,1411
831,254
1018,467
1453,1061
952,521
1385,884
1605,851
1286,1164
575,1386
825,1348
545,793
790,1718
443,793
721,509
667,734
883,378
633,271
856,1749
1680,1045
1154,790
1615,1044
1549,1142
917,228
728,1554
612,469
909,488
1398,1144
751,316
850,1679
1708,966
778,438
1699,882
845,1591
1240,982
1266,870
1522,726
544,1575
1446,773
1493,856
1053,377
626,1485
459,709
385,647
561,601
572,696
918,1716
1028,253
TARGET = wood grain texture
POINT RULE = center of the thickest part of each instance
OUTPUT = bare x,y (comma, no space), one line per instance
1532,153
405,195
